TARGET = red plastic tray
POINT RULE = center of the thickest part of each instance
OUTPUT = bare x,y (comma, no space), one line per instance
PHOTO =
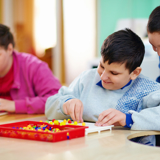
74,131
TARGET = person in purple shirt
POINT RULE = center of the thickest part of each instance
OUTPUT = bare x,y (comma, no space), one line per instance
25,81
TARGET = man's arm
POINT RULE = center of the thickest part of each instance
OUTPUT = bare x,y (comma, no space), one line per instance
43,83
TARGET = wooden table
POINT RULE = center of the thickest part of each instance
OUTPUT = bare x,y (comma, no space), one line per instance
16,117
111,145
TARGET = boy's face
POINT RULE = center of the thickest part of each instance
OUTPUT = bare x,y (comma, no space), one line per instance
113,76
5,60
154,39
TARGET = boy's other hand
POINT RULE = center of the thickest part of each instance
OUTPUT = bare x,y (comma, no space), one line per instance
74,108
7,105
111,117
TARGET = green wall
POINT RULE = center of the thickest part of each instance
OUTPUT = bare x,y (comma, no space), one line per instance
110,11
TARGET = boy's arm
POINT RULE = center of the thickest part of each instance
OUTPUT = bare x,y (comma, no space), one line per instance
74,108
149,117
54,104
111,117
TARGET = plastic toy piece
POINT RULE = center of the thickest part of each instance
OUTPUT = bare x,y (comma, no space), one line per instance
56,122
75,123
69,121
62,123
83,124
67,135
52,123
65,121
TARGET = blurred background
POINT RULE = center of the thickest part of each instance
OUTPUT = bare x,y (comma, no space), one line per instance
68,34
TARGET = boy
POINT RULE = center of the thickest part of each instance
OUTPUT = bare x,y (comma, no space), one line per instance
105,95
153,29
25,81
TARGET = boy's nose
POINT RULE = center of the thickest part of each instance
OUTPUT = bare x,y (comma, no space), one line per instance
104,75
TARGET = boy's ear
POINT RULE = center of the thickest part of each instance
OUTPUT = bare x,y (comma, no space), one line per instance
136,73
10,48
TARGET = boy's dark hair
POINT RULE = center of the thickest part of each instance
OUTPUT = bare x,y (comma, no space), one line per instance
6,36
154,21
123,46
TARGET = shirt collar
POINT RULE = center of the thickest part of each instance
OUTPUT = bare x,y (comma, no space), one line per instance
100,84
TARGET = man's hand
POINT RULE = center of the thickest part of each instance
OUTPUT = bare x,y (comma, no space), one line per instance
74,108
7,105
111,117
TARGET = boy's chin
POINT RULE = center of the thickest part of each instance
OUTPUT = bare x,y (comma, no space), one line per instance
110,87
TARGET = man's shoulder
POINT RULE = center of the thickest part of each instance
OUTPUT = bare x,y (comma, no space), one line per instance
30,64
26,58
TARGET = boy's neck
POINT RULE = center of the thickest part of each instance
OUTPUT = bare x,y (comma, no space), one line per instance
127,84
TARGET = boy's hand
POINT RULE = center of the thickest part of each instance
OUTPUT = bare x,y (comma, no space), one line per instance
111,117
7,105
74,108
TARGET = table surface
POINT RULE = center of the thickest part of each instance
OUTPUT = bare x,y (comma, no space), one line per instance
111,145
